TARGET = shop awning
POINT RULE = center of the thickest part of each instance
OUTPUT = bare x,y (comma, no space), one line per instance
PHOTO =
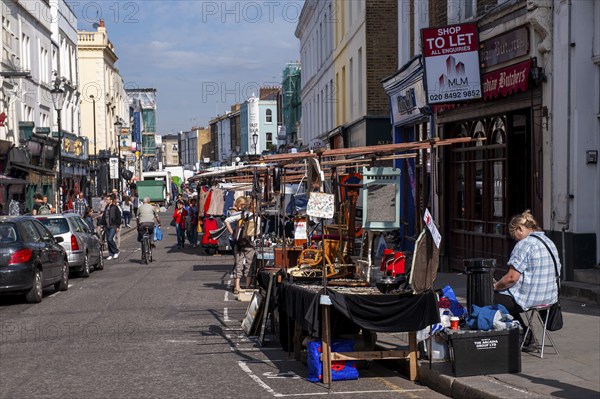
32,168
7,181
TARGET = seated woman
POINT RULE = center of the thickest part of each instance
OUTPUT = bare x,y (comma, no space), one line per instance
531,278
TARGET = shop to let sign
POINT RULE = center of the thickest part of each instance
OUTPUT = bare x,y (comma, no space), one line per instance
451,56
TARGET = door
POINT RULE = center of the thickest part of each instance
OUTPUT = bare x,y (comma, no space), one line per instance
486,183
54,252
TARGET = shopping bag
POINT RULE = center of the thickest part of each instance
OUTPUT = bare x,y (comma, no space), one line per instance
158,234
173,222
555,318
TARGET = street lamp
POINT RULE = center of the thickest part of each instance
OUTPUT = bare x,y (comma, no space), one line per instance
255,142
95,147
118,125
58,99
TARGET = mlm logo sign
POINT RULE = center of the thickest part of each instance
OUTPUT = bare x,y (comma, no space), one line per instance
454,76
451,63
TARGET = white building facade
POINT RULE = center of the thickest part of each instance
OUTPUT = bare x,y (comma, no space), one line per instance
573,191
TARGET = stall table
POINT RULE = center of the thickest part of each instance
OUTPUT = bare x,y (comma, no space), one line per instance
366,308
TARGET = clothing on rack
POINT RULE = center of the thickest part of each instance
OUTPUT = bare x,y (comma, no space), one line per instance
216,202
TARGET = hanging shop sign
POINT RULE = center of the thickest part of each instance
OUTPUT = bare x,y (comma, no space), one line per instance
505,81
2,119
451,63
74,146
504,47
113,164
407,93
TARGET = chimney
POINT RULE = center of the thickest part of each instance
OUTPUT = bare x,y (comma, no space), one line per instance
102,23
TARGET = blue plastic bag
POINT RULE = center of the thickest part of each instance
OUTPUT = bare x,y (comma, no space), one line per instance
340,369
158,234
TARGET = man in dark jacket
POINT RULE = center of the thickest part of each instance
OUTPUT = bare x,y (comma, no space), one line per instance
111,220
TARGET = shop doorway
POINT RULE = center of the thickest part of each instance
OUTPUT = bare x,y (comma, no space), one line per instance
486,183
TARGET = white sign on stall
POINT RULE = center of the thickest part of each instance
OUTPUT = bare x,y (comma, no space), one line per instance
437,238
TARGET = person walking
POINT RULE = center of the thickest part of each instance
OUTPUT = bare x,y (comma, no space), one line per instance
80,204
135,202
126,206
111,220
179,218
191,227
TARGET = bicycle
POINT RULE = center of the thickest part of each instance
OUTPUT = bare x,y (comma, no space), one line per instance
146,246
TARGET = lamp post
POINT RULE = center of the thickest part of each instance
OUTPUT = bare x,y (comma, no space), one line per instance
58,98
118,125
255,142
95,147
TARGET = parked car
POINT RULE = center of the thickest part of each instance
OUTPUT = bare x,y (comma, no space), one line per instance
31,259
81,243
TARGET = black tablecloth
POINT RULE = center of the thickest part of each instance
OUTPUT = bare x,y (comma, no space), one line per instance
373,312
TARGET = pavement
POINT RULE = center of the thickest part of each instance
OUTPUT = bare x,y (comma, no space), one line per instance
573,373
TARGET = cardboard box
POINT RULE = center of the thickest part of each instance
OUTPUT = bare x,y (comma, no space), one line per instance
484,352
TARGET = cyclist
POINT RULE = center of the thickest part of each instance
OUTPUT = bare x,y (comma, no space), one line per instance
147,215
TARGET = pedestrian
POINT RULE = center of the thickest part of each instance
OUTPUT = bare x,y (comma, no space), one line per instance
89,219
531,276
191,227
47,205
37,203
127,207
135,202
80,204
179,218
111,220
244,251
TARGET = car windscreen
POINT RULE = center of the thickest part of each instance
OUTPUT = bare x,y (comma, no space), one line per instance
56,226
8,233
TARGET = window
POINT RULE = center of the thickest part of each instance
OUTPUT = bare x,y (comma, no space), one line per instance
174,147
269,140
269,116
30,234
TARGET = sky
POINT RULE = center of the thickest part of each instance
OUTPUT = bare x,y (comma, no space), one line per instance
200,56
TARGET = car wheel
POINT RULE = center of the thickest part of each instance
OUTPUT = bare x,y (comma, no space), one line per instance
35,293
63,284
100,264
85,269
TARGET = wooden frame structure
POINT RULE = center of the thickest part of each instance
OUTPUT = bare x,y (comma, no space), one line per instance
330,160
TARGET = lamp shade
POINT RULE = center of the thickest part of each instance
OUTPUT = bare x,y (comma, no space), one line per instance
58,98
255,138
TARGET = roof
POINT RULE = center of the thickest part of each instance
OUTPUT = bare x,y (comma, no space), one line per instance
7,180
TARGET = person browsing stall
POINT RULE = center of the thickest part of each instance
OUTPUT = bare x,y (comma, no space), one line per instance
243,248
179,216
531,278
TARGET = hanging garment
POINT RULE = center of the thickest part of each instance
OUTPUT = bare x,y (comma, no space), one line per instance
202,195
216,202
209,224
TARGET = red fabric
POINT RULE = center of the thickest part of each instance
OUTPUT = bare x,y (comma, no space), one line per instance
209,224
180,217
207,202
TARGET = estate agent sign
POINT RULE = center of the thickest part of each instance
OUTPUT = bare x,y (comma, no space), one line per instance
451,63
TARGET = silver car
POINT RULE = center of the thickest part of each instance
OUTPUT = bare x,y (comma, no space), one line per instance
82,244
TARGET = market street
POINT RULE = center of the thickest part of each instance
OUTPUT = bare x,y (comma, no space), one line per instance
169,329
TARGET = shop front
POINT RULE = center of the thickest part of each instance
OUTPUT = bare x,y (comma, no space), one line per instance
410,118
75,166
485,183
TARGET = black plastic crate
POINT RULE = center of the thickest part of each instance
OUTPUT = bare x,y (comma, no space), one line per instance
475,352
